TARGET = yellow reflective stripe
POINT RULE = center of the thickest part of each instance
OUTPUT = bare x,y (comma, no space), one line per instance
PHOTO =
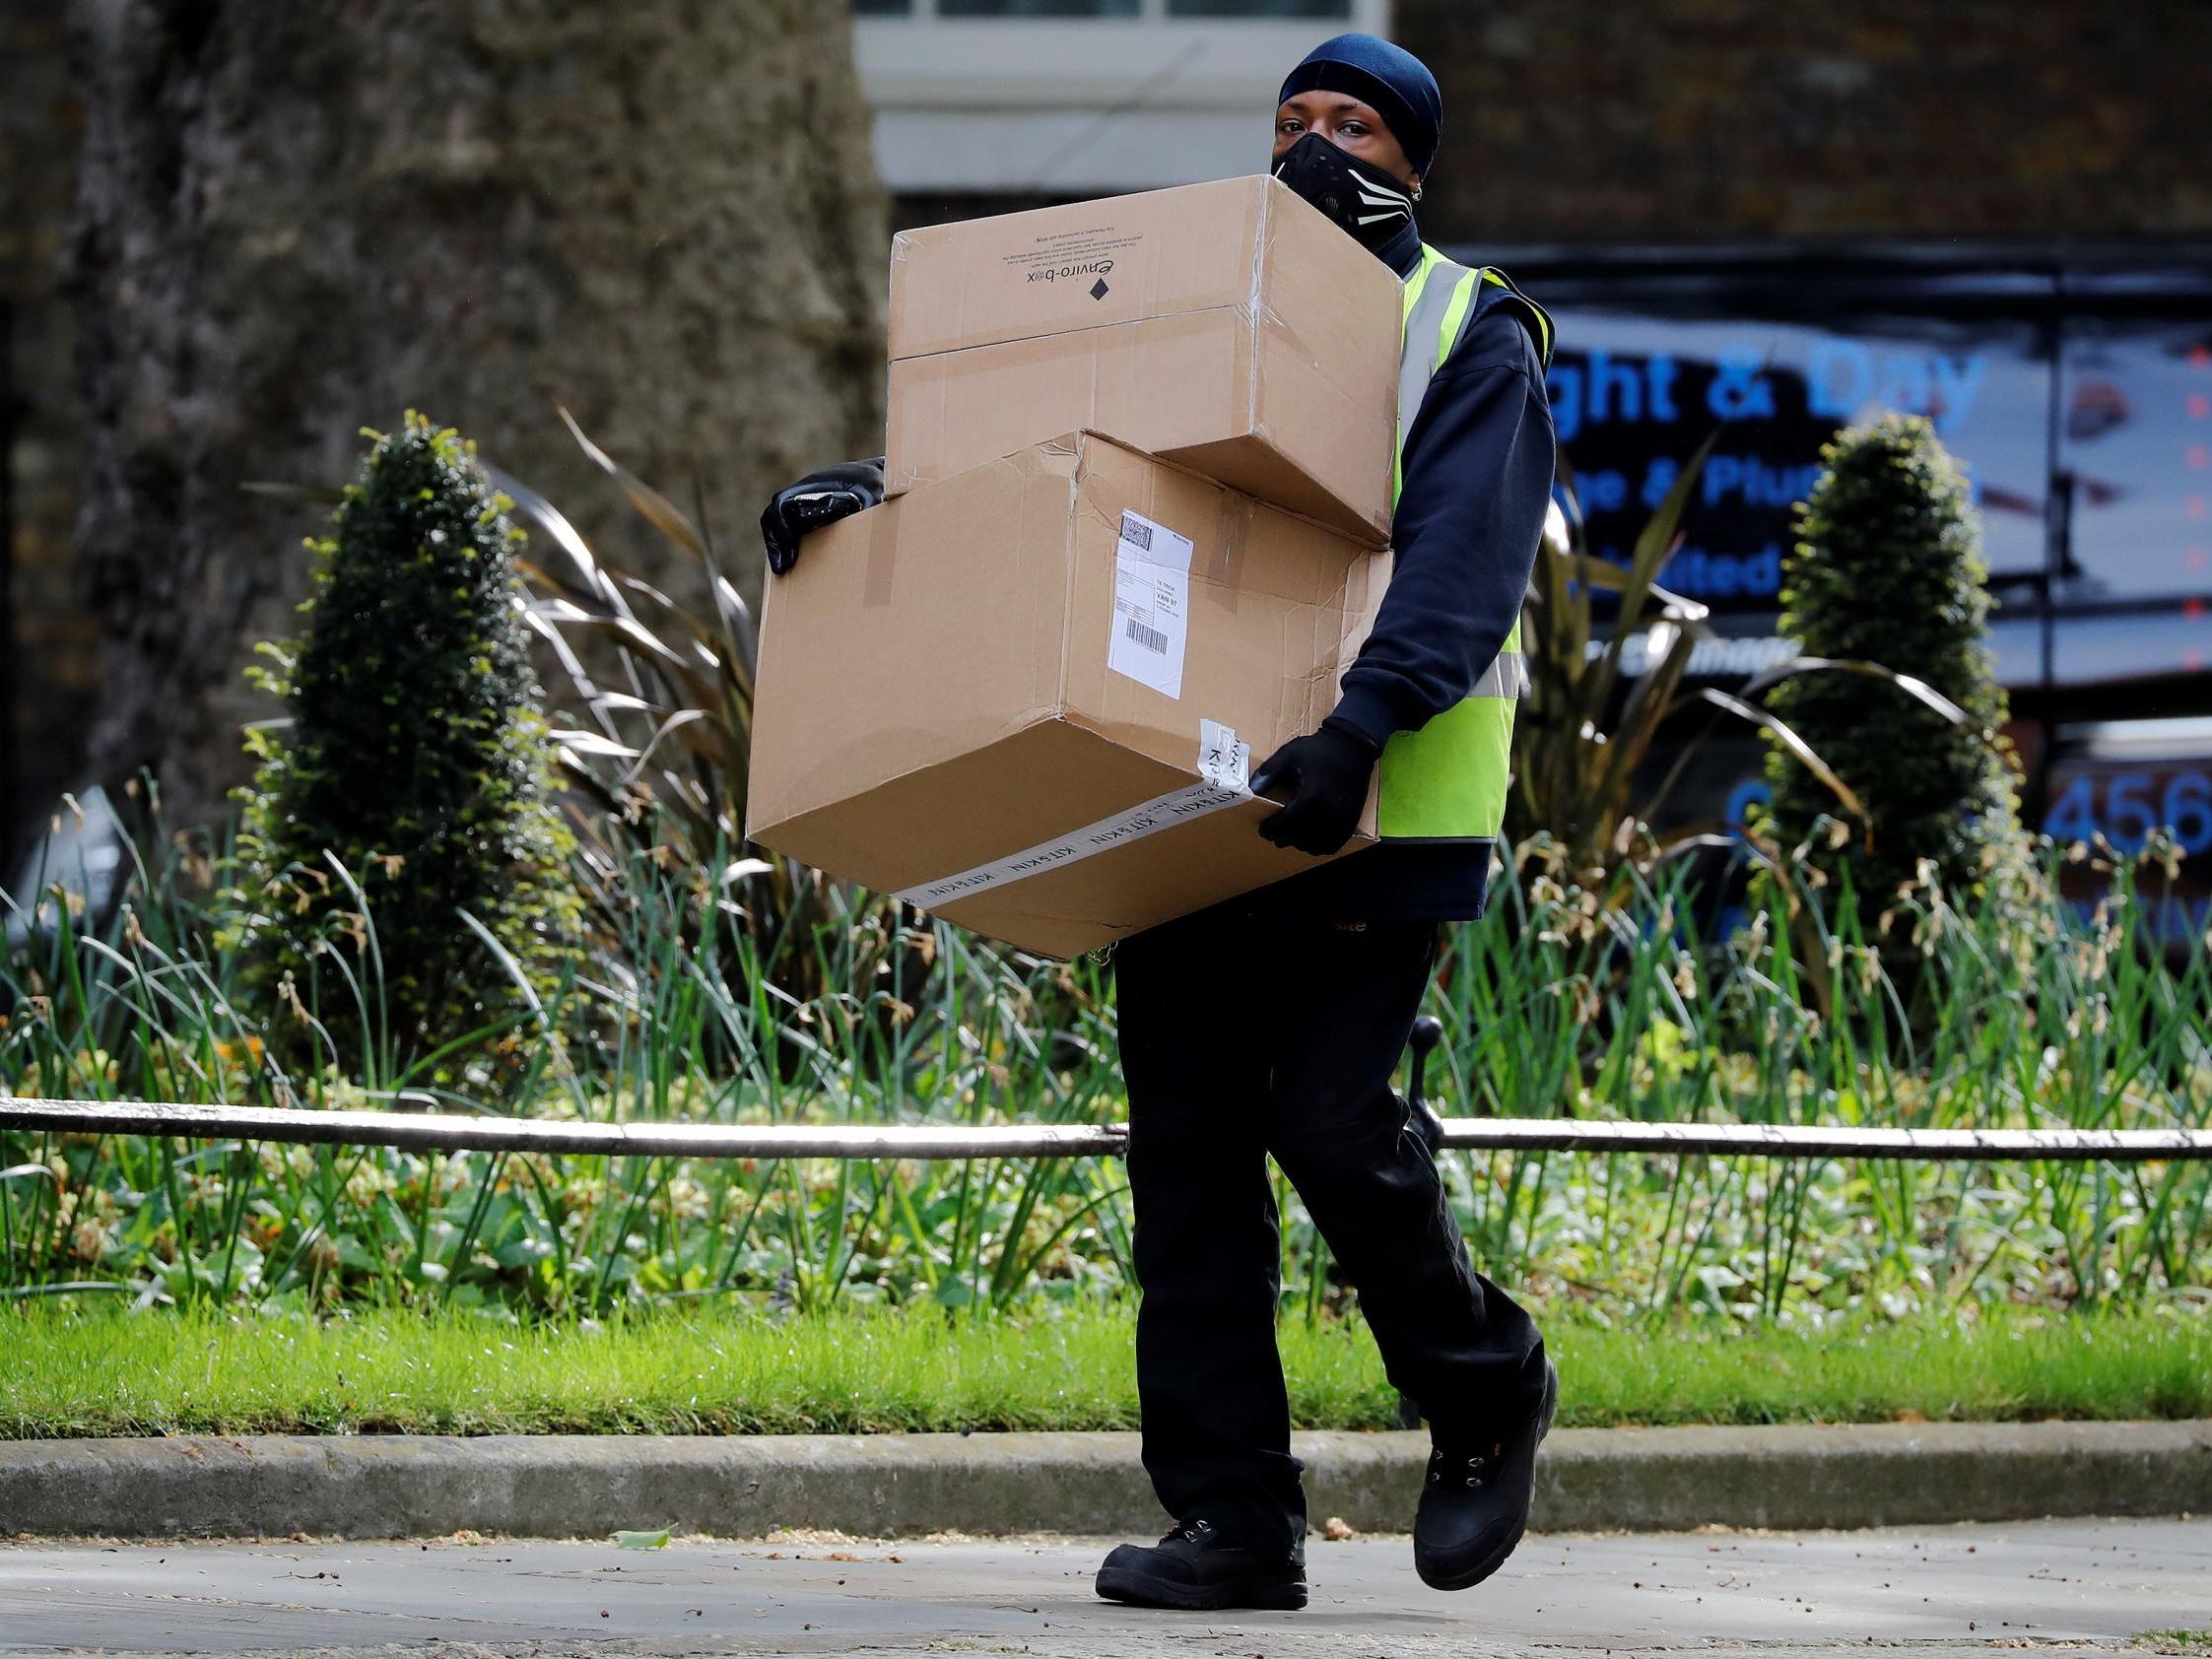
1543,317
1462,297
1447,781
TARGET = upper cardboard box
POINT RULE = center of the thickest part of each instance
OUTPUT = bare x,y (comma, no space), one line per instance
1002,668
1226,326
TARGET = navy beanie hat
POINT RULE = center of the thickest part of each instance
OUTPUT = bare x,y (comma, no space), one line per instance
1392,79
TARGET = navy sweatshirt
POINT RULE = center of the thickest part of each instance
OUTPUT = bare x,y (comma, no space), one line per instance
1478,469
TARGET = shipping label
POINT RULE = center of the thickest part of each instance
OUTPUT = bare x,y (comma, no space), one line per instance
1151,603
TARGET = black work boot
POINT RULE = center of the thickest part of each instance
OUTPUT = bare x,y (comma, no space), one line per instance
1474,1505
1195,1566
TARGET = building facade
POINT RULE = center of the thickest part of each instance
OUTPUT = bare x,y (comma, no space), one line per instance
1757,220
1069,99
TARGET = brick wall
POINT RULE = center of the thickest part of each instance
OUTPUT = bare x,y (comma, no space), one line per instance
48,663
1590,120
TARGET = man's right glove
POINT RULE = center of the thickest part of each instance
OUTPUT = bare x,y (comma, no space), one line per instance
820,499
1328,774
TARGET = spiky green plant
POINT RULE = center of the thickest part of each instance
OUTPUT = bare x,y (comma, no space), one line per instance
662,696
1887,566
1582,744
1565,1003
401,860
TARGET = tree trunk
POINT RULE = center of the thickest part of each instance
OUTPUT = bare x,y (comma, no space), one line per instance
298,220
45,640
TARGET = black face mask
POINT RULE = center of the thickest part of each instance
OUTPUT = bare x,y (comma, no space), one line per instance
1358,196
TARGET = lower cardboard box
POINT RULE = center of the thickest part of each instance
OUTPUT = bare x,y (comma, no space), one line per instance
1028,697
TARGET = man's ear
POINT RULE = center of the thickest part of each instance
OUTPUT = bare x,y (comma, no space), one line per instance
1413,183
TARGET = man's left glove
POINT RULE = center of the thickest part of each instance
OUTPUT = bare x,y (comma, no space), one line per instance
818,499
1327,774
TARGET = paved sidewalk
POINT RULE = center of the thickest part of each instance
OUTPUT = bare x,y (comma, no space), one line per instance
1944,1591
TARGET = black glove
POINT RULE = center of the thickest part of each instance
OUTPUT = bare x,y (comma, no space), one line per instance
818,499
1327,774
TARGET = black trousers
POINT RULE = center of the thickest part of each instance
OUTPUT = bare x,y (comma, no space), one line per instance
1245,1037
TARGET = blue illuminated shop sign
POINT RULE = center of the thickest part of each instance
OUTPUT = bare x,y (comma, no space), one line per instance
1636,398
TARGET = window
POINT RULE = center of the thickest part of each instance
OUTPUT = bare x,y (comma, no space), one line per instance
1037,8
2135,458
1340,11
2158,643
1260,9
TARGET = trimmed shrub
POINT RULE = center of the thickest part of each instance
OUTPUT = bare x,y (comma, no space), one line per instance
1887,569
415,766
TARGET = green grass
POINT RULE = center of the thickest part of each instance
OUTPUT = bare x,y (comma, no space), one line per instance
386,1371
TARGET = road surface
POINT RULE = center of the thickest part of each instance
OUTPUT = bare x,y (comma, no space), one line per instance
1941,1591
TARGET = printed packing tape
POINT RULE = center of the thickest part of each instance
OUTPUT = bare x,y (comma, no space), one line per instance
1225,780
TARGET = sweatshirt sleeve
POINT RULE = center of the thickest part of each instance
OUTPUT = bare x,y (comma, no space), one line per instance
1478,471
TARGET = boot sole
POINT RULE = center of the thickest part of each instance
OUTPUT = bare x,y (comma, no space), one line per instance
1438,1575
1137,1589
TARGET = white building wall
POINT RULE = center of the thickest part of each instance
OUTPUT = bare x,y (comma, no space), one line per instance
1079,106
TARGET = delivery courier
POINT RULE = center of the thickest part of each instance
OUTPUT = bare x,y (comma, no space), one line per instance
1322,975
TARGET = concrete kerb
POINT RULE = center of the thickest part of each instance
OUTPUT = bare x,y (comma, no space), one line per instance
395,1486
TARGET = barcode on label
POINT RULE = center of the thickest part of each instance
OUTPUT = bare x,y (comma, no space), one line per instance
1151,639
1136,532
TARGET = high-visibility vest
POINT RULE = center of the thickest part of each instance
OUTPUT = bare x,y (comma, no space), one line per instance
1447,780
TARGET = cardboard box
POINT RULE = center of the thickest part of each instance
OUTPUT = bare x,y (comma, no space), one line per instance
998,697
1228,327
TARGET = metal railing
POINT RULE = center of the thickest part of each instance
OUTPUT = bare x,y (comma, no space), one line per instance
453,1132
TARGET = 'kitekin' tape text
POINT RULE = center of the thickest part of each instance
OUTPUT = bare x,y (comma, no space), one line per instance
1227,767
